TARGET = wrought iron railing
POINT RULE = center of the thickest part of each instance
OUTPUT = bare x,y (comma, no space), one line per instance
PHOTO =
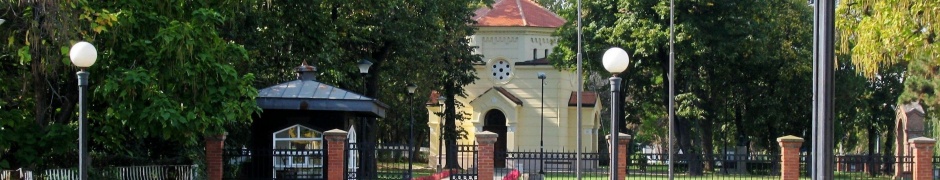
468,159
554,164
391,161
274,164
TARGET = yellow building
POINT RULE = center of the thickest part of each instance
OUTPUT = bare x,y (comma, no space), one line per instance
514,38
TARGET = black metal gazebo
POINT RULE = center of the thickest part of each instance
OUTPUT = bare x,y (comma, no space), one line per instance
294,115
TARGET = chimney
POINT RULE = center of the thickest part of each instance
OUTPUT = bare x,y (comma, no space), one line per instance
306,72
546,54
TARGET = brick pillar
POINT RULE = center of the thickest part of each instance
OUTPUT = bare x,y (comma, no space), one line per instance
485,155
790,157
336,154
621,154
923,154
214,150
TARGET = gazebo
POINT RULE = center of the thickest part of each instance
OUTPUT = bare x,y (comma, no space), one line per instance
287,134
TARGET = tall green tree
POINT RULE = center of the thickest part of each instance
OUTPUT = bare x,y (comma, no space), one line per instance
396,36
878,36
164,78
723,52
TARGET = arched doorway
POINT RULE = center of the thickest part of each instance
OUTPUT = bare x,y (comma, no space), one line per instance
495,121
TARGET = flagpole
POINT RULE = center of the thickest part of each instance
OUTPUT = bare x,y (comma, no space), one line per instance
672,82
580,87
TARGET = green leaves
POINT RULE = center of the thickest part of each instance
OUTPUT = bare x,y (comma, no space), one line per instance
24,55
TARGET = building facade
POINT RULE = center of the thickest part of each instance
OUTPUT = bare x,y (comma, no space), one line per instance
515,37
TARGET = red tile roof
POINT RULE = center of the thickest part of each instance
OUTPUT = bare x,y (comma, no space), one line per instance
588,99
517,13
506,93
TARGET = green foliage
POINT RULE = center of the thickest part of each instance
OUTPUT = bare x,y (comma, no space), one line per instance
177,82
164,77
879,34
739,64
893,44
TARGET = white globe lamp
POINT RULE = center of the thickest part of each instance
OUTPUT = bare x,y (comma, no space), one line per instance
83,54
616,60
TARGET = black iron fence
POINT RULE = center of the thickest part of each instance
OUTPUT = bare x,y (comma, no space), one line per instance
874,166
391,162
553,164
763,166
752,166
245,164
561,165
467,158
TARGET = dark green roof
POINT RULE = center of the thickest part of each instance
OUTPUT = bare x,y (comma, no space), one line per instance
313,95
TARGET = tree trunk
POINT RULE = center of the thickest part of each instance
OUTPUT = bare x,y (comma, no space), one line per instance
870,160
707,145
370,127
450,126
689,154
888,152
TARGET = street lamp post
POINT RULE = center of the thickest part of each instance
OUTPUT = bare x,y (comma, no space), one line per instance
616,61
542,130
364,147
83,55
411,139
440,137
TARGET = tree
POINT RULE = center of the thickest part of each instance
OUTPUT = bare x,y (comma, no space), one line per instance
878,36
723,52
164,78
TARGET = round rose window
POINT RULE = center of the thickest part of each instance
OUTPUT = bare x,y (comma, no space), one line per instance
501,70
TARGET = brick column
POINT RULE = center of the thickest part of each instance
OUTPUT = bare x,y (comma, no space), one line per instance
621,154
485,155
923,154
336,154
790,157
214,150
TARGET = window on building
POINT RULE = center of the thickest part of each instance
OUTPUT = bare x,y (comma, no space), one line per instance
501,70
298,153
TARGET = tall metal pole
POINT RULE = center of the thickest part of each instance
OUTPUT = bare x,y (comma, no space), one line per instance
366,157
614,133
823,65
83,159
672,87
577,165
542,131
411,141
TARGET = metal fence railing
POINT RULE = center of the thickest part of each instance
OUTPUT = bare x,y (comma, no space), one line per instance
694,166
467,157
391,161
175,172
875,166
560,165
554,164
274,164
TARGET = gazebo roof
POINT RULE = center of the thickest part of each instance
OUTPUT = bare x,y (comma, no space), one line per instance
308,94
